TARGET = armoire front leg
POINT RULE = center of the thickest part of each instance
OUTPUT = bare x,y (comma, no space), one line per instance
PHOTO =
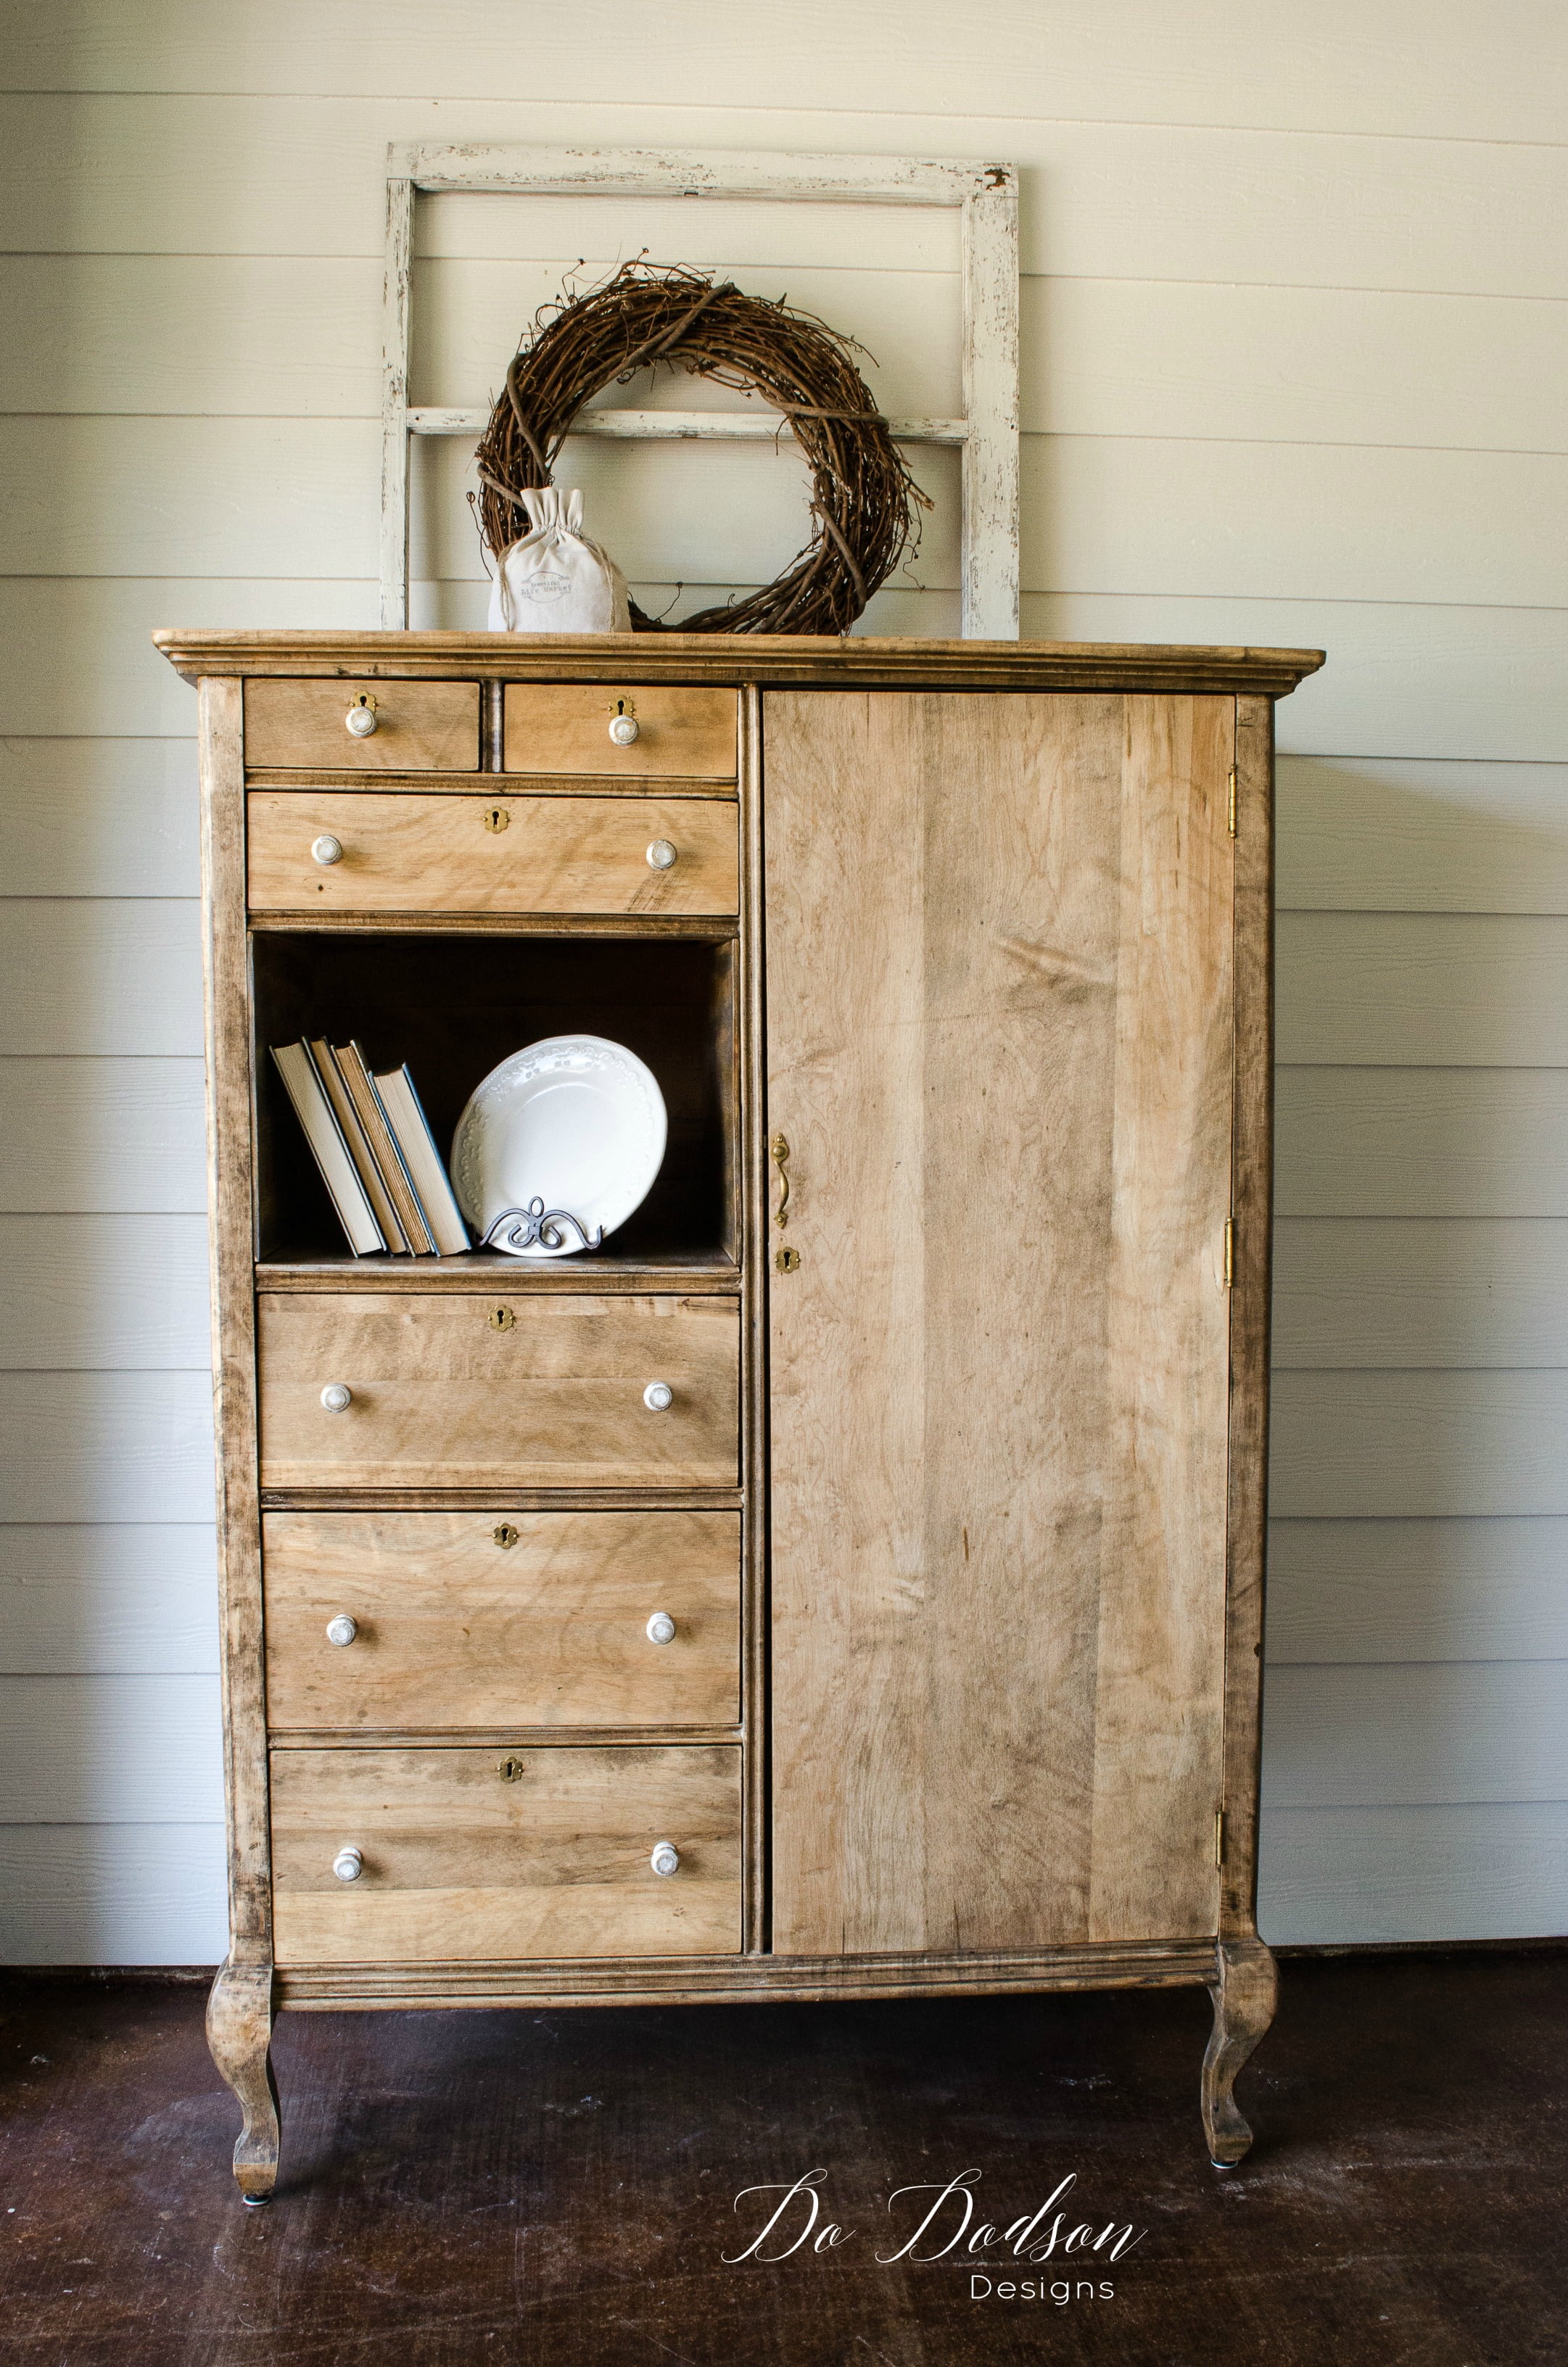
239,2032
1243,1988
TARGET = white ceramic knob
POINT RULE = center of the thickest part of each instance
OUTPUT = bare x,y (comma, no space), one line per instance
327,850
337,1397
661,854
661,1628
623,729
665,1860
657,1395
361,721
347,1864
343,1629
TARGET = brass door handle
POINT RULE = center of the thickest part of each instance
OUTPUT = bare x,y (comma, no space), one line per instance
780,1150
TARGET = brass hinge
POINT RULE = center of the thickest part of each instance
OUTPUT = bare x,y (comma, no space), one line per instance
1218,1837
1229,1252
1230,816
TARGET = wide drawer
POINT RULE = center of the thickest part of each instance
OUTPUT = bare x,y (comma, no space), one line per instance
420,726
502,1619
512,1853
565,728
454,1392
402,853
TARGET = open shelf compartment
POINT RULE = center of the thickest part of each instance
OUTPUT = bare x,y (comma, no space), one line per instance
455,1006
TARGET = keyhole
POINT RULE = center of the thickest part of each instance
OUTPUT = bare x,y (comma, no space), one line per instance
496,817
511,1771
506,1535
500,1319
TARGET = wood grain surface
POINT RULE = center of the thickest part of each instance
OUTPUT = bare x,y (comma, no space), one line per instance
419,724
230,1159
565,728
460,1860
443,1398
470,1619
1158,1689
1252,1202
998,1395
406,852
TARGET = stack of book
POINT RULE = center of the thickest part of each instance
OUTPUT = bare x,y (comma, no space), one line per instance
373,1144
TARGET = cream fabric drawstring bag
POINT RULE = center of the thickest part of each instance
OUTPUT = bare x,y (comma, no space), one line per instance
555,580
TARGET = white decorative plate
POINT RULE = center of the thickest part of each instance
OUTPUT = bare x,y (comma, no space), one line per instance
573,1123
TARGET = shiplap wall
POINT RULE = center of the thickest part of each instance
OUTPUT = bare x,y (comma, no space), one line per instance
1294,339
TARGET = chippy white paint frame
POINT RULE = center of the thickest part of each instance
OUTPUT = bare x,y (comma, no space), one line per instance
987,196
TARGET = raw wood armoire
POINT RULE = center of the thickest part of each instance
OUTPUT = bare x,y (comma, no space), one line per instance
956,1272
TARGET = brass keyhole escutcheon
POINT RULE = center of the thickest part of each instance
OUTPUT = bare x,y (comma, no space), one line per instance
496,817
500,1319
511,1771
788,1260
506,1535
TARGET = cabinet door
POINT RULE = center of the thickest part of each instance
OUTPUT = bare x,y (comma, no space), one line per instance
999,1048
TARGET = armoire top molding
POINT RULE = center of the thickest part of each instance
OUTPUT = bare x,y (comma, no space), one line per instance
770,660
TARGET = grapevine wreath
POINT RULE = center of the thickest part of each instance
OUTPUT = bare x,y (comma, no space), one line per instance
863,497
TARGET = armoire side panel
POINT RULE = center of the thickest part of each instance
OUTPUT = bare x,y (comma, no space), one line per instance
1159,1690
997,983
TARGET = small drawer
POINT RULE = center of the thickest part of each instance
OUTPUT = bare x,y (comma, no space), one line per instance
502,1619
355,851
321,725
565,728
504,1853
455,1392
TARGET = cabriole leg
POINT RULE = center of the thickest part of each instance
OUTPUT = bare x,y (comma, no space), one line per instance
239,2032
1243,1990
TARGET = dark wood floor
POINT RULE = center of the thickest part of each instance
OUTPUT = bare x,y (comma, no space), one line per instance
558,2186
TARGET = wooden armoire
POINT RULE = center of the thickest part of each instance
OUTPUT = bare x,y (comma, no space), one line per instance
913,1646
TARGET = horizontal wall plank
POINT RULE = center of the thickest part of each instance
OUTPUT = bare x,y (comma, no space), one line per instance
85,1136
1275,364
1101,515
100,975
1457,1590
1379,1291
106,1446
258,335
104,1293
470,315
1133,516
1421,837
298,336
76,659
1442,1732
1233,521
1416,989
1471,75
109,1599
1406,681
1357,1877
112,1895
1105,200
111,1750
302,175
99,818
1359,1446
1421,1142
684,509
133,496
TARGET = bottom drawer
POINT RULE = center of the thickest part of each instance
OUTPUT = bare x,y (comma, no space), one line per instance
498,1853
